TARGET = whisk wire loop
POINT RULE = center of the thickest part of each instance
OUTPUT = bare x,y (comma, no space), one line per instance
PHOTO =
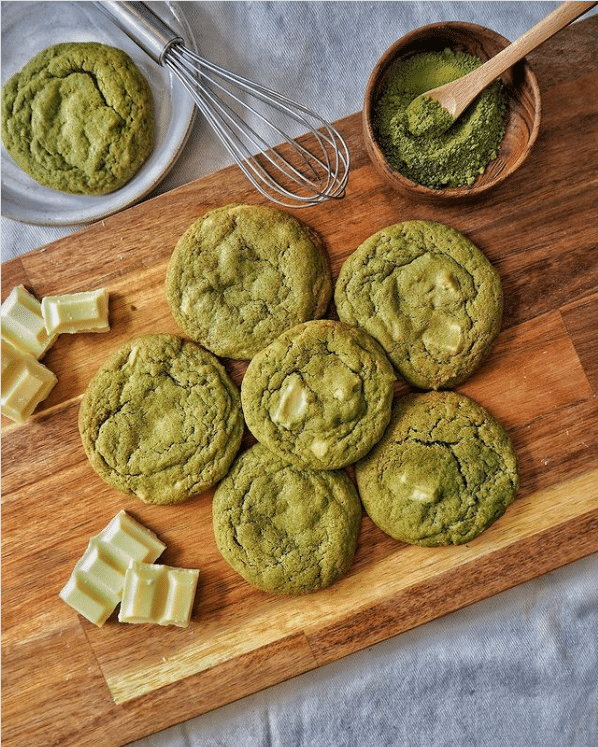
208,102
302,175
303,171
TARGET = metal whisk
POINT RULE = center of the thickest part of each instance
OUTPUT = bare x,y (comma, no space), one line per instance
283,169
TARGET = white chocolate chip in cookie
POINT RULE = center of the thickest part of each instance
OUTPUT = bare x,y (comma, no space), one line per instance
446,288
292,402
423,493
417,489
445,335
319,448
133,355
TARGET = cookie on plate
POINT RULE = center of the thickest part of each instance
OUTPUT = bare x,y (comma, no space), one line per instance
161,420
243,274
428,295
444,471
320,395
285,530
78,118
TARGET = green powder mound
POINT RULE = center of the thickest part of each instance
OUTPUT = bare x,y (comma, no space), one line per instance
426,116
450,159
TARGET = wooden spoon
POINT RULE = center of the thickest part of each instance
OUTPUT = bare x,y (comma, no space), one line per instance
436,110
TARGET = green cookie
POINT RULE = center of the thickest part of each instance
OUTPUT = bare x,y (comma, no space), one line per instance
78,118
286,530
320,395
430,298
161,420
243,274
444,471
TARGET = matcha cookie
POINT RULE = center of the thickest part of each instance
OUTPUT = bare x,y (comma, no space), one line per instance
430,298
161,420
444,471
285,530
243,274
78,118
320,395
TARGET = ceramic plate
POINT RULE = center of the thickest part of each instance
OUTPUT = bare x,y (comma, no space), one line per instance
29,27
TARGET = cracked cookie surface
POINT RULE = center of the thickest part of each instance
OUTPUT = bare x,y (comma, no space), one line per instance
243,274
285,530
78,118
444,471
161,419
320,395
428,295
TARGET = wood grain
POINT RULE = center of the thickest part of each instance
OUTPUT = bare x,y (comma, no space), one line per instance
66,682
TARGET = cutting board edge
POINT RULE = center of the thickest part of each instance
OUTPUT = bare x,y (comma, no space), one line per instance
469,593
553,561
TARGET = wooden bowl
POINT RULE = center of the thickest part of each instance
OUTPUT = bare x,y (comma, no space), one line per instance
523,114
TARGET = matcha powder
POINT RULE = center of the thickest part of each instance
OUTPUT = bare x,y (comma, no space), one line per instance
453,158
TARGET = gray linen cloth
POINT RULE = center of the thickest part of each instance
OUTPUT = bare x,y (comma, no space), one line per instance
520,668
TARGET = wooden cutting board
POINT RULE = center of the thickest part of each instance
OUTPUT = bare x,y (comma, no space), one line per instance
66,682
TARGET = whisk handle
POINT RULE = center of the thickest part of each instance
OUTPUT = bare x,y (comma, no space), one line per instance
142,25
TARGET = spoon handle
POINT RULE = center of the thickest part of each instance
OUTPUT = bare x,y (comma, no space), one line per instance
475,82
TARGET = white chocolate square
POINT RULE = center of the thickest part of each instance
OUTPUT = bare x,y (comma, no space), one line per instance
292,402
158,594
87,600
76,312
23,325
25,383
96,583
10,356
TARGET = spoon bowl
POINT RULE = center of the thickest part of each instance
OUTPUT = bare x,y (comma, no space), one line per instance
436,110
522,118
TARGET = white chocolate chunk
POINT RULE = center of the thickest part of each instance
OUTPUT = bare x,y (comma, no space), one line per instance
446,282
319,447
23,324
418,490
105,568
187,304
133,355
85,599
423,494
292,402
25,383
158,594
9,356
76,312
131,540
445,335
96,583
